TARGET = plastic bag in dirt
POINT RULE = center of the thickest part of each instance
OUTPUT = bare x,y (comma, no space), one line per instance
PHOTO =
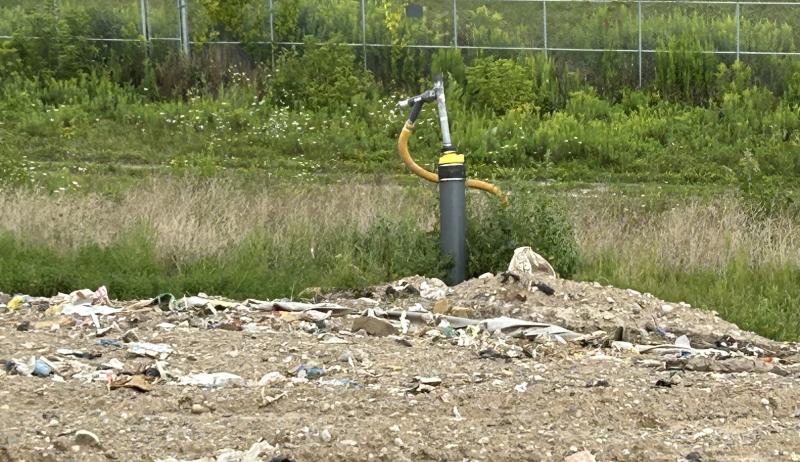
526,261
215,380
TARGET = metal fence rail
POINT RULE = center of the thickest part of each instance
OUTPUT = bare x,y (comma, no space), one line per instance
185,44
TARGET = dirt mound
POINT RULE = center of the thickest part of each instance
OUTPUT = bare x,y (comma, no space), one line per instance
579,306
503,367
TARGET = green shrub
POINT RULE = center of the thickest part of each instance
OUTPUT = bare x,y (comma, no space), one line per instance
533,220
498,84
323,76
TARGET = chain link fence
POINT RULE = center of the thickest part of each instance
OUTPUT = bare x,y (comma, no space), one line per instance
588,34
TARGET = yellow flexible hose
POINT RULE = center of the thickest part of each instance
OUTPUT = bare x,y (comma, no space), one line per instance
488,187
402,145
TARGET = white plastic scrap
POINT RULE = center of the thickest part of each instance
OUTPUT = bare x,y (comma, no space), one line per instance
215,380
254,454
153,350
526,261
683,342
85,309
433,289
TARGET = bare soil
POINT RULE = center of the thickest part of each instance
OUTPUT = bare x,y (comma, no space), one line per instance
426,394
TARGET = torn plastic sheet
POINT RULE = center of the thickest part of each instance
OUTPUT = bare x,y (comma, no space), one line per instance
153,350
333,308
88,310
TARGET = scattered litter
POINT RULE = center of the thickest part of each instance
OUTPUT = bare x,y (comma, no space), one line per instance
266,400
521,388
526,261
424,384
41,368
85,310
347,383
87,438
14,303
583,456
215,380
433,289
136,382
374,326
310,373
153,350
77,353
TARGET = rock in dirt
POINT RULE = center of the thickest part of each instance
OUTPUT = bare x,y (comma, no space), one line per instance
199,409
374,326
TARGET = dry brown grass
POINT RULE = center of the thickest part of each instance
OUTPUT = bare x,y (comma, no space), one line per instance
199,218
696,234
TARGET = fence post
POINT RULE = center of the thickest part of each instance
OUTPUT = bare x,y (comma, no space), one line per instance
738,28
183,26
145,26
364,33
639,25
271,36
544,21
455,24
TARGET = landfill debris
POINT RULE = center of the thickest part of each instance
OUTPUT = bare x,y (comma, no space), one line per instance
616,351
137,382
348,383
86,310
266,400
152,350
14,303
526,261
87,438
41,368
256,453
433,289
77,353
583,456
374,326
211,380
310,373
424,384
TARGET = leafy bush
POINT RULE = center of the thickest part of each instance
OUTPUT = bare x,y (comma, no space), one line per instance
322,76
533,220
498,84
